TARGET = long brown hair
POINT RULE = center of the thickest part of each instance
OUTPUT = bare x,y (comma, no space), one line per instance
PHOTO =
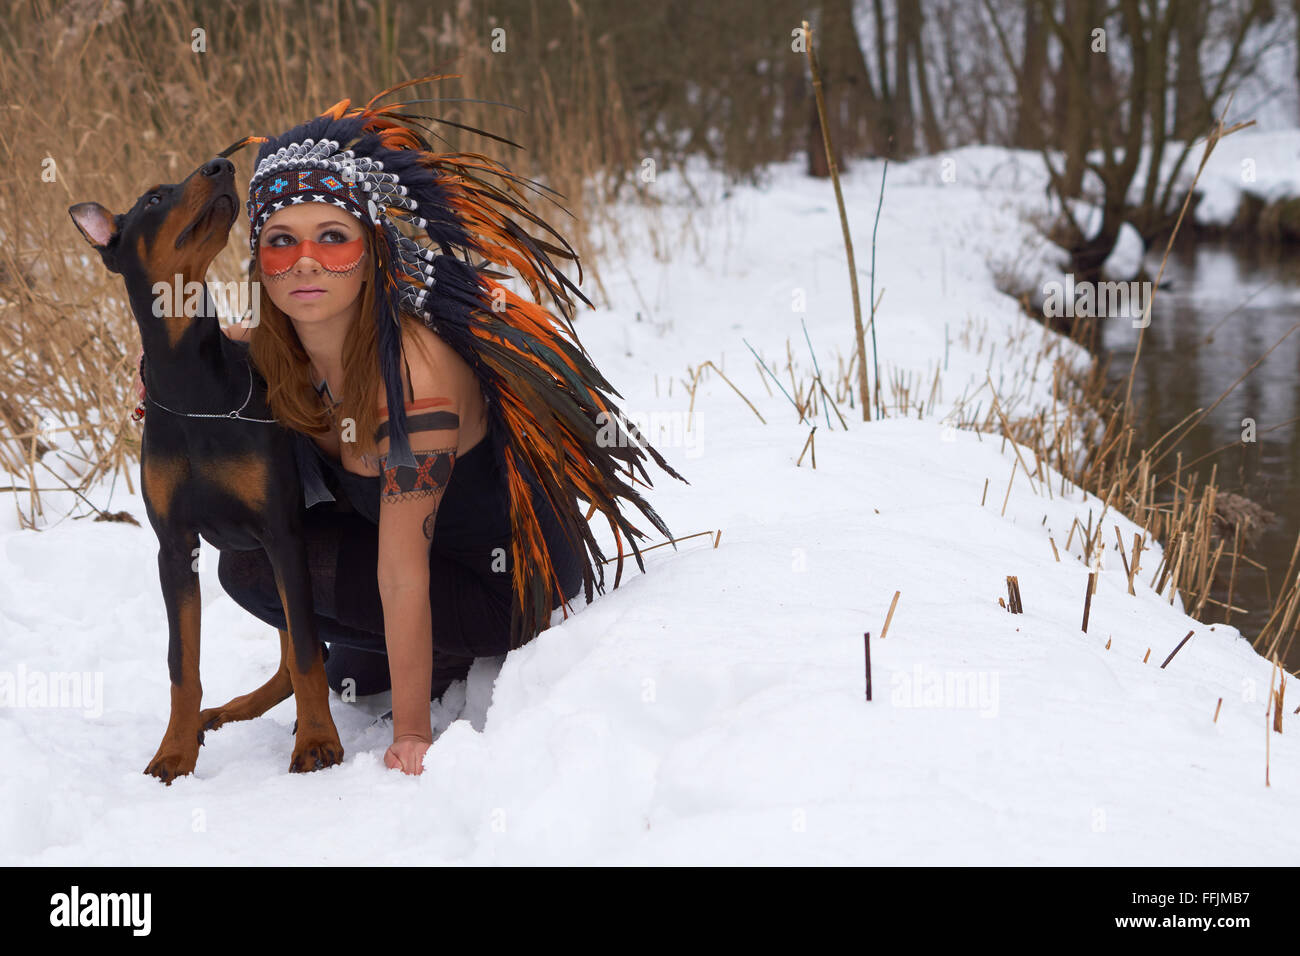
277,352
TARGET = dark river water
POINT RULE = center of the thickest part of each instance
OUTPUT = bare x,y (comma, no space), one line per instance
1224,306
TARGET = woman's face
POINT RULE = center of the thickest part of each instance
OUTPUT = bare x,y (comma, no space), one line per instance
312,258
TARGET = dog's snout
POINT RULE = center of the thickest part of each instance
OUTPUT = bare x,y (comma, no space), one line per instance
217,166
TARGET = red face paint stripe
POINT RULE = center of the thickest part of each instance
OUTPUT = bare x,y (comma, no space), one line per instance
333,256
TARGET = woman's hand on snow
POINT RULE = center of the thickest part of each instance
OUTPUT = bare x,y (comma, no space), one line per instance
407,753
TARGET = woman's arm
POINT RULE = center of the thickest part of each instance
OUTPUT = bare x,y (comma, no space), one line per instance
408,509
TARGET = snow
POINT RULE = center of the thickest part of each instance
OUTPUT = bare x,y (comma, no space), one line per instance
712,710
1125,260
1263,164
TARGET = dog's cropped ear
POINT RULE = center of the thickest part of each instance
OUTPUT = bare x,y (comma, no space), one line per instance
99,226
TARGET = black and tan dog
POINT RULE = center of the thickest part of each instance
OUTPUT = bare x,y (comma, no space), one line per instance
212,462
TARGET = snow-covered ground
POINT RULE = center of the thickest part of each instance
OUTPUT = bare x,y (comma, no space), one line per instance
1262,164
712,710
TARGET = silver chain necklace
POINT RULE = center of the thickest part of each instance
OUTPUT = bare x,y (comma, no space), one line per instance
234,413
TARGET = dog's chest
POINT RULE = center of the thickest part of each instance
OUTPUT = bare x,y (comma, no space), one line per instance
217,478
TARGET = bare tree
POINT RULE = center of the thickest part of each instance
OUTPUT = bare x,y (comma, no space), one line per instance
1114,119
846,87
1033,68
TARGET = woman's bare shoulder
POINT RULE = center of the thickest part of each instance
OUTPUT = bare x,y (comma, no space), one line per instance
439,353
436,370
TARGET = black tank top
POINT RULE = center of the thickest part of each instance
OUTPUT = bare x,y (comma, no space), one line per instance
473,523
474,512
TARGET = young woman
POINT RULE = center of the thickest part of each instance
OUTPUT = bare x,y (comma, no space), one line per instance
448,430
409,586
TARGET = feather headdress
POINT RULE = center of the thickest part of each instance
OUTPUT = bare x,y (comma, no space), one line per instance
551,407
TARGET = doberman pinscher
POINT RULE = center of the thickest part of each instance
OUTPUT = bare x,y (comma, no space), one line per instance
213,461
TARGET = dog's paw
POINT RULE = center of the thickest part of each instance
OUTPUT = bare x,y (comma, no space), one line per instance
212,719
168,764
317,754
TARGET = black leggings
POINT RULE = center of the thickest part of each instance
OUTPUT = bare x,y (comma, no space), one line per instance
471,608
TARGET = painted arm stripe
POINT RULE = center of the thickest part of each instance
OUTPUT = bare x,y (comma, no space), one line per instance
426,422
413,406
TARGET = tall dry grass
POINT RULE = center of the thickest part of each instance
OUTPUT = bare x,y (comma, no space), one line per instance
103,98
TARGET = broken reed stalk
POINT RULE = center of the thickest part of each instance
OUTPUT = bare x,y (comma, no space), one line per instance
1010,481
816,368
1207,579
710,364
1008,434
1013,595
1277,706
1176,649
866,650
1268,736
789,367
1133,564
806,445
875,302
858,331
662,544
890,616
1087,599
1119,541
1055,553
1232,578
1287,610
768,372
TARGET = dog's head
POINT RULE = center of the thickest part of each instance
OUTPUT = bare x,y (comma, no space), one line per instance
172,228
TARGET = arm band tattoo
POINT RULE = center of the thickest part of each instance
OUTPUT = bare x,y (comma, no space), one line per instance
430,477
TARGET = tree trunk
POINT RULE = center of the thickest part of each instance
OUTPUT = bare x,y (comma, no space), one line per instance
1295,5
846,87
929,121
1029,112
1191,111
1075,65
905,27
888,117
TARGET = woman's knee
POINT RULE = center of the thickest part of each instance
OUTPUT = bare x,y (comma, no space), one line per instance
248,578
356,670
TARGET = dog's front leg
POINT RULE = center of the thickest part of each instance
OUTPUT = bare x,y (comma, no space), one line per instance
256,703
179,749
317,743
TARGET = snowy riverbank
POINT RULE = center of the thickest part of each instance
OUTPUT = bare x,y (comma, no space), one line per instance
712,709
